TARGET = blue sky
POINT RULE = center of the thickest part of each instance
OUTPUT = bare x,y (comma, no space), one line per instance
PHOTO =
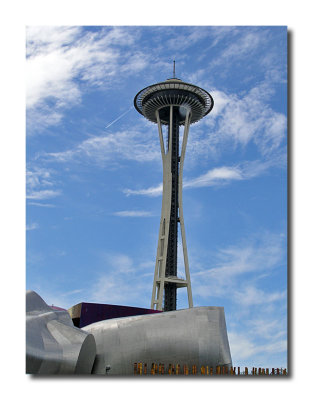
94,173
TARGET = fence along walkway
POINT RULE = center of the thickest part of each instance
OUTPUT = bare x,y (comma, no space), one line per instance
176,369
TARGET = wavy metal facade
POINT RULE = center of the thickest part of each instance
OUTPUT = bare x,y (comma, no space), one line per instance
195,336
53,344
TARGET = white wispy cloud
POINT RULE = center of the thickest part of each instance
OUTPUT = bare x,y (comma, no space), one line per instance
117,284
31,203
71,292
238,277
239,120
258,255
32,226
40,184
269,328
244,171
43,194
243,348
38,176
218,33
243,45
131,213
214,177
57,56
218,176
53,296
120,283
153,191
250,295
259,338
60,60
182,40
110,148
236,120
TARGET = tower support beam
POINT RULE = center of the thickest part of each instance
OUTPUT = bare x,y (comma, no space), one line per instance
172,103
165,281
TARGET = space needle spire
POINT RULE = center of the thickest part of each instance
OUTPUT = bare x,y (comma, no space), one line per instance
172,104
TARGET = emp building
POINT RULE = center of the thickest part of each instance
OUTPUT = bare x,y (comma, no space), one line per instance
172,104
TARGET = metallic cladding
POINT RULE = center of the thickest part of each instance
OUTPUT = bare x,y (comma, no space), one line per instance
195,336
53,344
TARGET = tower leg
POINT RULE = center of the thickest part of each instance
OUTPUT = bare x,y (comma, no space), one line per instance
165,274
160,264
180,203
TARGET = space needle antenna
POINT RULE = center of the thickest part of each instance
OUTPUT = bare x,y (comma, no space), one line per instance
174,70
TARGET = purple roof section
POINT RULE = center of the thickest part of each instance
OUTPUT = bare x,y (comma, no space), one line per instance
93,312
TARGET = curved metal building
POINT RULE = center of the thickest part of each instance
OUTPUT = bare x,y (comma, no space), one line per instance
196,336
53,344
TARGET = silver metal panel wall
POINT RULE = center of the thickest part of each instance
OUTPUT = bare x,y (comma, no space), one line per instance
53,344
195,336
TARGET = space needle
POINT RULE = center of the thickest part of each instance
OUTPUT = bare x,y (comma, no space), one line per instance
172,104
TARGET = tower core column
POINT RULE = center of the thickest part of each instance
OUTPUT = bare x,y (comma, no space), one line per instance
170,291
